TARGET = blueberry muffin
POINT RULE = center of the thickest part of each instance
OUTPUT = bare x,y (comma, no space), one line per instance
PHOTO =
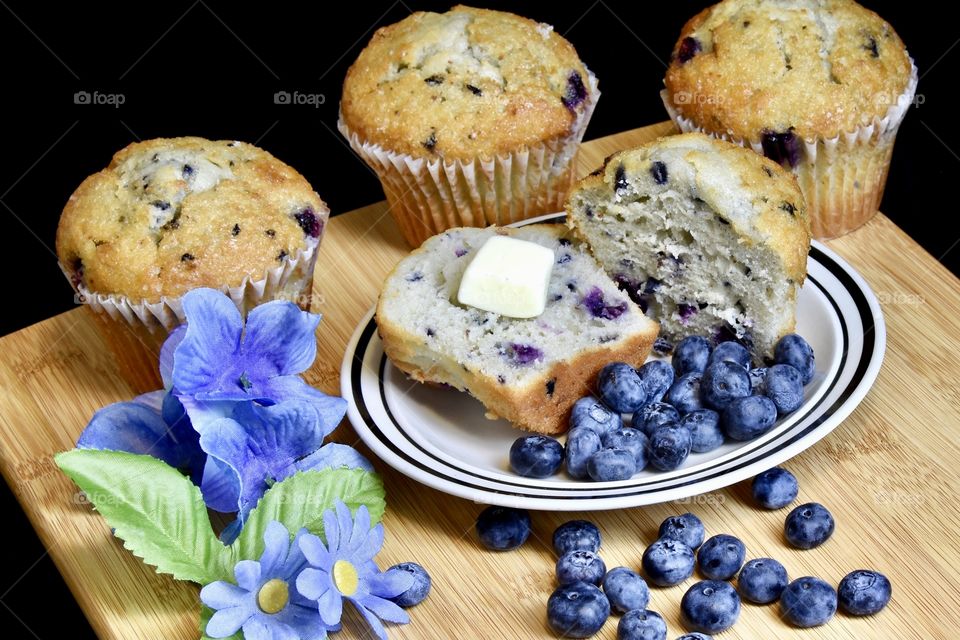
529,371
706,236
818,86
170,215
469,118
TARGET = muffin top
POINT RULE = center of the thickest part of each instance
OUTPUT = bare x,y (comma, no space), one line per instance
463,84
170,215
813,68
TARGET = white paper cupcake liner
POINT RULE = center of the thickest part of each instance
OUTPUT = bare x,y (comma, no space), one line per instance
842,178
429,196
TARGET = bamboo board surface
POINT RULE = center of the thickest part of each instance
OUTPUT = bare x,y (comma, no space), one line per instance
889,473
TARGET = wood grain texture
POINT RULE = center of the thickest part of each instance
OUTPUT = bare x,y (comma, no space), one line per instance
889,473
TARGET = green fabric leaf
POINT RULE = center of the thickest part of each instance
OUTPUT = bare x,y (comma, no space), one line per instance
300,500
157,512
205,614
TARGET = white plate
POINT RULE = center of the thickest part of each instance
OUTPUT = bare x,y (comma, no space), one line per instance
441,438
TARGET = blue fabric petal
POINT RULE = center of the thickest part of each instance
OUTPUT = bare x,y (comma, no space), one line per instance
371,547
390,584
331,531
385,609
313,583
305,620
152,400
375,625
282,336
221,594
276,541
226,622
330,606
330,409
333,456
360,532
315,552
231,532
344,524
166,354
220,486
214,326
247,573
264,627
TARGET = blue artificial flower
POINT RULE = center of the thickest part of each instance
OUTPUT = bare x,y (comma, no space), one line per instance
344,569
263,602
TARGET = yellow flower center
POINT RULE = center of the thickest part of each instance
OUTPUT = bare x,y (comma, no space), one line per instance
273,596
345,577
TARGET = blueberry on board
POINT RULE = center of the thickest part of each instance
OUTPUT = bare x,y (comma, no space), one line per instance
625,589
730,351
642,624
536,456
808,602
669,447
686,528
864,592
775,488
657,376
747,418
710,606
589,412
654,415
580,566
420,588
582,443
503,528
577,610
704,426
758,376
684,395
576,535
667,562
721,557
696,635
809,526
762,580
621,388
793,350
723,382
608,465
784,385
691,355
630,439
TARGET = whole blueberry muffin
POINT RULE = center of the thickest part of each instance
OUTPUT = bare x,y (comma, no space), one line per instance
470,117
820,86
708,237
170,215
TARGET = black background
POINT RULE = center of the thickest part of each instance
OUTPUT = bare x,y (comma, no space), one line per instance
211,69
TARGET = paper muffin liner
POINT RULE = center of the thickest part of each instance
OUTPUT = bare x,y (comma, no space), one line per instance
426,197
842,178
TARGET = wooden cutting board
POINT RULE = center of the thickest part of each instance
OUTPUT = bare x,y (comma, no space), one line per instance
889,473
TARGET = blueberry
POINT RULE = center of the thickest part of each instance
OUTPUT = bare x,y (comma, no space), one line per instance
575,92
696,635
580,566
657,376
684,395
809,526
654,415
669,447
775,488
730,351
536,456
762,580
704,426
781,147
621,388
590,413
808,602
576,535
420,588
686,528
784,385
691,355
662,346
659,172
667,562
309,222
747,418
688,48
630,439
577,610
608,465
642,624
710,606
793,350
721,557
582,443
597,305
503,528
723,382
625,589
757,377
864,592
522,354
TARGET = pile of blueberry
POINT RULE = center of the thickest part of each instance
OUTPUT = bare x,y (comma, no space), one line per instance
705,396
588,593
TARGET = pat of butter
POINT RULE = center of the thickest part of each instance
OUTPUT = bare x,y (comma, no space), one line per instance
509,277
